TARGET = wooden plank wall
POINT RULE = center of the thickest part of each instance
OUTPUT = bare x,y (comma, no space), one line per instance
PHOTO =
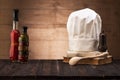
46,21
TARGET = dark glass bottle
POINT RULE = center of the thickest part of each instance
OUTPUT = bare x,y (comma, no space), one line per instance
23,46
14,36
102,47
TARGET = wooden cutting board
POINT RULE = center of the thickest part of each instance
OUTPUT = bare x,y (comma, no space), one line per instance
92,61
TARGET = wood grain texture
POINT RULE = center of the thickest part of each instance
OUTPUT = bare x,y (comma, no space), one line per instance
39,68
37,17
27,4
47,49
46,21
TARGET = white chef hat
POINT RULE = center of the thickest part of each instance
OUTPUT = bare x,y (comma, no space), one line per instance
84,27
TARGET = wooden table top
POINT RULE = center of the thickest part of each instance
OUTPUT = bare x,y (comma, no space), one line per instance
37,68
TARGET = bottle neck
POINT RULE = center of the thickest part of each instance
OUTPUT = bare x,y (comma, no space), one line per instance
15,25
24,32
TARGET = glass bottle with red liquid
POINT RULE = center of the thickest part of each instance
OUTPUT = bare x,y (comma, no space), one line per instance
23,46
14,37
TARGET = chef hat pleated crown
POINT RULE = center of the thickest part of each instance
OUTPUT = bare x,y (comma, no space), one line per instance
84,27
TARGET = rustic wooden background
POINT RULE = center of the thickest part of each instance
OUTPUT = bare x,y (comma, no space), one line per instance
46,21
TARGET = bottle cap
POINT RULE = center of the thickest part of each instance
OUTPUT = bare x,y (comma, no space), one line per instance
15,14
25,28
